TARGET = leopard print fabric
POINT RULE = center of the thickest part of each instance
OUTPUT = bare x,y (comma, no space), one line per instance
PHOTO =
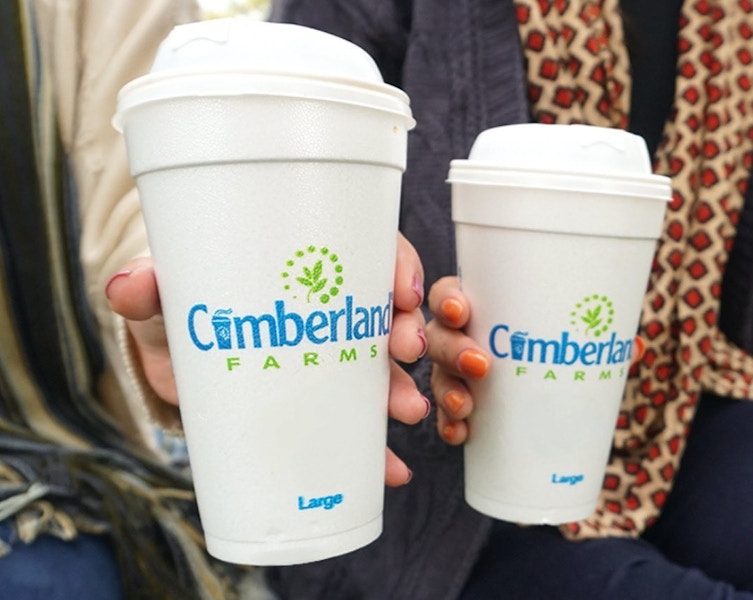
578,71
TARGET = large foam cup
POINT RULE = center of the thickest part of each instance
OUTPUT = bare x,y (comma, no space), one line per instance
268,158
556,229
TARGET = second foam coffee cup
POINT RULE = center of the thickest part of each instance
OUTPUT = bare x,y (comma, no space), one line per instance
269,159
556,229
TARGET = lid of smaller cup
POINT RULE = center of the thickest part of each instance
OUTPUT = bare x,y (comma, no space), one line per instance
562,148
242,55
578,157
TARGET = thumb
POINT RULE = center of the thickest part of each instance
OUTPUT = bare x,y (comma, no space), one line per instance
133,294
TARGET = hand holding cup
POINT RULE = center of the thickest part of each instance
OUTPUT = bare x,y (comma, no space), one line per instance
456,358
268,159
556,227
134,295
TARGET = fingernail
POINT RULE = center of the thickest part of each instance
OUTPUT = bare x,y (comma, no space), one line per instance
448,433
410,476
454,401
639,349
428,407
452,310
418,286
473,363
117,275
424,342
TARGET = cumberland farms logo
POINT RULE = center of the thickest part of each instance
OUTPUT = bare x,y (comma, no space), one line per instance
313,313
316,272
587,348
593,315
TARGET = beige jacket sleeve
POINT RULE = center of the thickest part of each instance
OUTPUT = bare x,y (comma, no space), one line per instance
91,48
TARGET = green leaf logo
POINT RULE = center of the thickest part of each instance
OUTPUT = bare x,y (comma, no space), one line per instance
593,315
315,271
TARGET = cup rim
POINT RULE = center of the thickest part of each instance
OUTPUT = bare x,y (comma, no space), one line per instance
470,172
229,81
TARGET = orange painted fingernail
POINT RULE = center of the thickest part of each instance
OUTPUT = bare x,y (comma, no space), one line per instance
448,432
639,349
473,363
454,401
452,310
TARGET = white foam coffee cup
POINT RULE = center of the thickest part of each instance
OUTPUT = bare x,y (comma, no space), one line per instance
556,229
268,158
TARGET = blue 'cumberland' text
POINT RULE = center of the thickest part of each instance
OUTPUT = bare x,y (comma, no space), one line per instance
562,351
281,327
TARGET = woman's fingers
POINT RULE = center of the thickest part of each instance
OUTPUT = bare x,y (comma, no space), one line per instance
452,432
133,294
450,348
456,357
409,277
132,291
409,406
406,403
451,394
396,472
408,341
454,405
455,352
448,304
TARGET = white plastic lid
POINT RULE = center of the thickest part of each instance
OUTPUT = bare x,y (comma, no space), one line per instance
242,55
248,44
533,154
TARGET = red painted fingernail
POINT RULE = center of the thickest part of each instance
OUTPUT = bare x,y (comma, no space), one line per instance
454,401
428,407
424,342
117,275
452,310
418,287
473,363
